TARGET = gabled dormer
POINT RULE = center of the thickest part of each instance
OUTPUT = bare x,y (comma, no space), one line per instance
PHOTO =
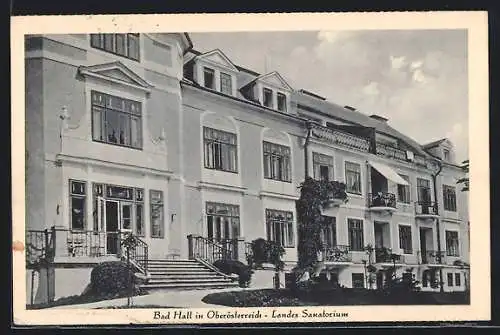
214,71
442,149
271,91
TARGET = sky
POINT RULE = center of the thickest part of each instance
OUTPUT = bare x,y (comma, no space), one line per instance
415,78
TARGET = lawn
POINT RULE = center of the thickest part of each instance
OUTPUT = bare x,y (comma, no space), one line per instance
336,297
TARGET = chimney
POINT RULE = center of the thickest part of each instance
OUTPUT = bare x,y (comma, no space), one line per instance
379,118
350,108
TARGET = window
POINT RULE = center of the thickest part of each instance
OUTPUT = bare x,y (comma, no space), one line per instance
322,166
423,191
452,243
404,191
329,231
223,221
139,212
77,191
425,278
277,162
446,155
126,45
358,280
405,239
226,84
116,120
353,177
220,150
457,279
157,215
268,97
356,242
281,102
209,78
279,227
450,279
449,198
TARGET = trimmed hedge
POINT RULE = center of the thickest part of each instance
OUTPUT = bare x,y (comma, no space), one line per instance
112,279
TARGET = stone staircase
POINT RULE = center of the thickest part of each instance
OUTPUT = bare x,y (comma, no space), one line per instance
184,275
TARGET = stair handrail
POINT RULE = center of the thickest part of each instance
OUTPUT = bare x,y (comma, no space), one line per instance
141,262
213,268
210,247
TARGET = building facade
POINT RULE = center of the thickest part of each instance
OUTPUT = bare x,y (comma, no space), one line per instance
141,133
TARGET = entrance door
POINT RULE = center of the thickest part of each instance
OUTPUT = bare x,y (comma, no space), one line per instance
112,226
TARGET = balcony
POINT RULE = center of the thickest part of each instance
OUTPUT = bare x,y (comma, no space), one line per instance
382,202
341,138
425,210
385,257
337,254
431,257
398,154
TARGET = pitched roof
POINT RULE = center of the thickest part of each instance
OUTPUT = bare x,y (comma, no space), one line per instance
433,143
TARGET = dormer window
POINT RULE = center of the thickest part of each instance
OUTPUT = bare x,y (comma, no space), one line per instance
268,97
209,78
281,102
446,155
226,81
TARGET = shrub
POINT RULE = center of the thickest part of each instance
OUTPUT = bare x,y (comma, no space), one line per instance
243,271
112,279
264,251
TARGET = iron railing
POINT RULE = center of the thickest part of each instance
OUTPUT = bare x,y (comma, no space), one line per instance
39,246
382,199
385,255
138,255
338,253
211,250
389,151
432,257
425,208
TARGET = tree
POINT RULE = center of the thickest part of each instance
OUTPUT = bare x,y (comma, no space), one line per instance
314,195
129,243
465,180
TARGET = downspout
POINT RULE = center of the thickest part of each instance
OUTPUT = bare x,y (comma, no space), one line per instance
306,146
436,209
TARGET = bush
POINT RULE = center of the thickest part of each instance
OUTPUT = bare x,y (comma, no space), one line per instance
264,251
112,279
243,271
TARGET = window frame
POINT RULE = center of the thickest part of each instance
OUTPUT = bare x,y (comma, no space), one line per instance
346,170
80,196
329,229
284,173
229,79
352,229
128,36
402,239
405,197
451,249
285,102
421,187
205,70
104,110
161,206
459,277
320,160
449,198
450,279
211,216
285,225
271,95
222,146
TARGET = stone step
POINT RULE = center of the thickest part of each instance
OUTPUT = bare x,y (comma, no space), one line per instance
188,286
189,280
176,266
183,273
187,276
171,261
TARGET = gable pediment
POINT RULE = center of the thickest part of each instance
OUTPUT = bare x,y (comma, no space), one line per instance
276,80
217,57
116,72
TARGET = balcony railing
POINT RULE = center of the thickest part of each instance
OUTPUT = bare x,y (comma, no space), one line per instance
341,138
84,243
399,154
425,208
382,199
385,255
432,257
338,253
